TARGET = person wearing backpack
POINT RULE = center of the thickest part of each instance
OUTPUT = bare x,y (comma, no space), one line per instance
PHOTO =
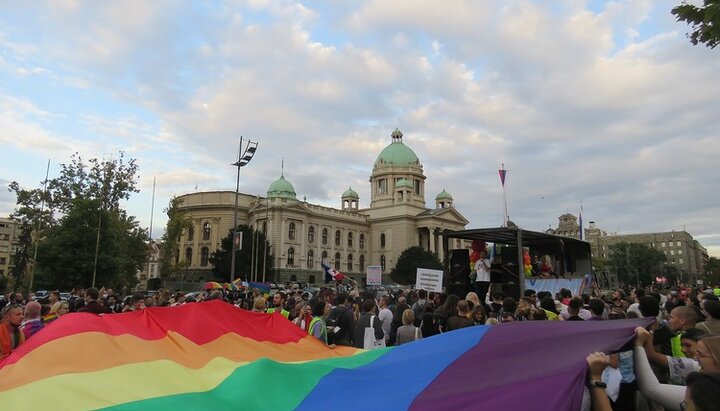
419,306
341,322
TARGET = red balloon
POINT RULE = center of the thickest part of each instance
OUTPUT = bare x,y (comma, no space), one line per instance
478,245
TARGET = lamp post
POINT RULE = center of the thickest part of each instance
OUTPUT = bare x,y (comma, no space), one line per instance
244,158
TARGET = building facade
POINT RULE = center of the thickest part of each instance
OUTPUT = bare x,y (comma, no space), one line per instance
304,235
681,250
9,232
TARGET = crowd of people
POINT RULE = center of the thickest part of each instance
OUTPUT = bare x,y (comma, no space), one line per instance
682,341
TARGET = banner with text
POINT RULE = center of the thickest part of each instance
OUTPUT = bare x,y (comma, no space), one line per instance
374,275
429,280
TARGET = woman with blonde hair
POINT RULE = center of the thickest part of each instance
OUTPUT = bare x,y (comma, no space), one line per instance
260,305
473,297
408,332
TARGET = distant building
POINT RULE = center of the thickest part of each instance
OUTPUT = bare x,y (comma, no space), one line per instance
304,235
150,270
682,251
9,232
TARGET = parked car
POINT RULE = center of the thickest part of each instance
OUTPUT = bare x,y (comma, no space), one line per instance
65,296
40,294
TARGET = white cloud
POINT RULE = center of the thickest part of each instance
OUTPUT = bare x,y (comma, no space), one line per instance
613,107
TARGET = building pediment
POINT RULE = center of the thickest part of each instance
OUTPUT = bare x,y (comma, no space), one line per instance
448,214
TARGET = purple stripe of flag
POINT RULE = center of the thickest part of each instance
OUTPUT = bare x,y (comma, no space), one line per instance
537,365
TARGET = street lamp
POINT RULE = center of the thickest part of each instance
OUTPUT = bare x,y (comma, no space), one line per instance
244,158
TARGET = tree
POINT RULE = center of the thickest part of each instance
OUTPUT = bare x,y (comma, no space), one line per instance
107,182
412,258
81,194
221,259
713,269
66,257
169,253
633,262
705,21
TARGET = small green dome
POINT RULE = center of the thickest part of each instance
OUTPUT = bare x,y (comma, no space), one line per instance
281,188
350,193
397,153
444,195
403,182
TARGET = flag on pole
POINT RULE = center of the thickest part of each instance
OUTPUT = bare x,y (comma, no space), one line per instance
502,173
582,236
332,274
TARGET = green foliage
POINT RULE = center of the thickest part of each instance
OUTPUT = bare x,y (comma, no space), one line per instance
412,258
705,21
105,181
66,256
221,259
82,193
713,269
169,253
633,261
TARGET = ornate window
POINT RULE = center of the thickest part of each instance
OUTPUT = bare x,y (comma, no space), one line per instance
349,262
291,256
382,262
350,239
362,263
191,233
337,238
291,231
324,236
323,258
206,231
311,234
310,259
382,240
337,261
188,255
204,256
362,241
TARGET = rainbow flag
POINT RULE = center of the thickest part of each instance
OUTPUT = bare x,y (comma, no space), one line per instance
213,355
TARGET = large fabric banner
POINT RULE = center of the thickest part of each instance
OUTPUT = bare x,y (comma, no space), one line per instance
212,355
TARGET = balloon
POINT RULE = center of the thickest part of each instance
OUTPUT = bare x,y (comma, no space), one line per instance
478,245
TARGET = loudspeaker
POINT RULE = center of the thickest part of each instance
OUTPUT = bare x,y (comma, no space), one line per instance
509,255
459,267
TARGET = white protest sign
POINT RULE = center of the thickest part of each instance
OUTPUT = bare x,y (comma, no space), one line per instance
374,275
429,280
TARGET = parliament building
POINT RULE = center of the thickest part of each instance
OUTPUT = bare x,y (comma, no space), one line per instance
302,235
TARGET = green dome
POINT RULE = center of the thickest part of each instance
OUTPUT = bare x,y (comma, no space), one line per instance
350,193
403,182
397,153
444,195
281,188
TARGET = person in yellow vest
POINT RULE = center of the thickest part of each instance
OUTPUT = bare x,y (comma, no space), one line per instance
278,304
668,335
317,324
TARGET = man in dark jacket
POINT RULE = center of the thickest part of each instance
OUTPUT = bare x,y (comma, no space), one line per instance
368,311
91,302
341,322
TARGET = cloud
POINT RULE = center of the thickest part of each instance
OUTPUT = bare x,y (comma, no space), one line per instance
605,102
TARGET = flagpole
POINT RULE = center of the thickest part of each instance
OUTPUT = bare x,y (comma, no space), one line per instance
37,241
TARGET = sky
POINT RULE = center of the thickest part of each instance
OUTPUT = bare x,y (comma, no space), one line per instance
604,103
